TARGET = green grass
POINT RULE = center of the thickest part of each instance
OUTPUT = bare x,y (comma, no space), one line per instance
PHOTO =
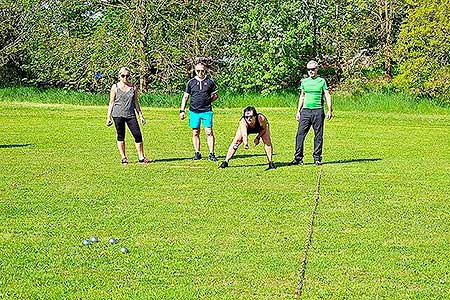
367,102
196,232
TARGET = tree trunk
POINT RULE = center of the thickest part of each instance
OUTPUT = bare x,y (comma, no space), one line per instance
388,15
144,70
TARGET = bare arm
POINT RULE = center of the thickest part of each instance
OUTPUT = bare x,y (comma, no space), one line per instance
137,105
183,106
243,128
330,108
214,96
112,98
301,100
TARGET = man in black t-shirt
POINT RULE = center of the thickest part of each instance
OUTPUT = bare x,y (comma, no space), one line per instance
203,92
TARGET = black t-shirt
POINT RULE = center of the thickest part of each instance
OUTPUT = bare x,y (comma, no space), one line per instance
201,92
257,128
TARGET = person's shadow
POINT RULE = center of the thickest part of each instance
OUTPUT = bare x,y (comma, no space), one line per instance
171,159
204,157
15,145
340,161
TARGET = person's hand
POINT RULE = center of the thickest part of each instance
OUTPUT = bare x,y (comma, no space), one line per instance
246,147
298,116
329,115
143,120
182,115
256,141
109,122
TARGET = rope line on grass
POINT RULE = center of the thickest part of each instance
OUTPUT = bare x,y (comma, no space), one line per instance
301,275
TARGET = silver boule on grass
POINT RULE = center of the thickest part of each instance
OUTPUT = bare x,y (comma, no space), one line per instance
124,250
112,240
86,242
94,239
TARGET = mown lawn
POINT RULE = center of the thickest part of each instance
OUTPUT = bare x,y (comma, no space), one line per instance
195,232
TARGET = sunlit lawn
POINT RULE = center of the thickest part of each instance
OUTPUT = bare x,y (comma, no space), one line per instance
194,231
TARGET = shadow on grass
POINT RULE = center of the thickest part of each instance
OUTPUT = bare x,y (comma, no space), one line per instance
15,145
171,159
203,157
246,155
247,166
340,161
347,161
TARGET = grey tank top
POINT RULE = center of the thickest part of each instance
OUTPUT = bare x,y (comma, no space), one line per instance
124,104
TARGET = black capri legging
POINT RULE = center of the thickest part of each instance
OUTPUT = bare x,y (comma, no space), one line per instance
133,125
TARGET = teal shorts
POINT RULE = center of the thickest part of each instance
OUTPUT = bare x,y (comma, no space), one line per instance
196,118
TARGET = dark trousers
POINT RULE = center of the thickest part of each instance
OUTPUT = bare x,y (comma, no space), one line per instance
308,118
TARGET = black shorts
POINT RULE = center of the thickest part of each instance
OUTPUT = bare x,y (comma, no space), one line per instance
133,125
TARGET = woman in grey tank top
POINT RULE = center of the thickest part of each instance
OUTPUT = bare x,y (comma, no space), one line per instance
123,102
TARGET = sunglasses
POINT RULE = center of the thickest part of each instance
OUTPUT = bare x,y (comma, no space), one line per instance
199,71
124,76
248,117
311,69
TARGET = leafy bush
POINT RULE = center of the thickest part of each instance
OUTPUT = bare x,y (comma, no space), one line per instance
423,50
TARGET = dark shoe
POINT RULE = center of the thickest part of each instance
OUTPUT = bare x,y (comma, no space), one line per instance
223,165
197,156
317,162
144,161
212,157
271,166
124,161
296,162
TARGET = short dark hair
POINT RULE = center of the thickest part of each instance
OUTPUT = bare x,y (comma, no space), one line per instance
252,109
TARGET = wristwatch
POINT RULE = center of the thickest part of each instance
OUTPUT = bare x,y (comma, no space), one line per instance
181,110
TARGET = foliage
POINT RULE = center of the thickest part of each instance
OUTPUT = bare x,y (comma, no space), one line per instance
250,46
423,50
270,49
16,25
359,36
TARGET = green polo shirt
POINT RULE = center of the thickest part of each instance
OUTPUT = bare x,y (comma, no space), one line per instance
314,89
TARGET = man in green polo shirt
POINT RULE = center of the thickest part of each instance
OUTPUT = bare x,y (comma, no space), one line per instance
311,112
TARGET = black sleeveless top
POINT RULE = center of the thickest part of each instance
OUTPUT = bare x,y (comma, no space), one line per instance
257,128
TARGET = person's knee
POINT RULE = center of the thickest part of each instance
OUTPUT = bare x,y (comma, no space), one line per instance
235,144
266,139
209,133
195,133
120,137
138,139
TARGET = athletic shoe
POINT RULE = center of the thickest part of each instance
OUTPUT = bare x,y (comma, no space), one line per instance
271,166
223,165
212,157
144,161
197,156
317,162
296,162
124,161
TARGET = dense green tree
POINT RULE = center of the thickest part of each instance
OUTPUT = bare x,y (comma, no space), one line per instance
423,49
17,21
357,35
249,45
271,45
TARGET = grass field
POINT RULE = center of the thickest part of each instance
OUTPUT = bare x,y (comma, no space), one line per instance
381,231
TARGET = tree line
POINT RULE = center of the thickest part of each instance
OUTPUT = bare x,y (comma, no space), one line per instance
251,45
